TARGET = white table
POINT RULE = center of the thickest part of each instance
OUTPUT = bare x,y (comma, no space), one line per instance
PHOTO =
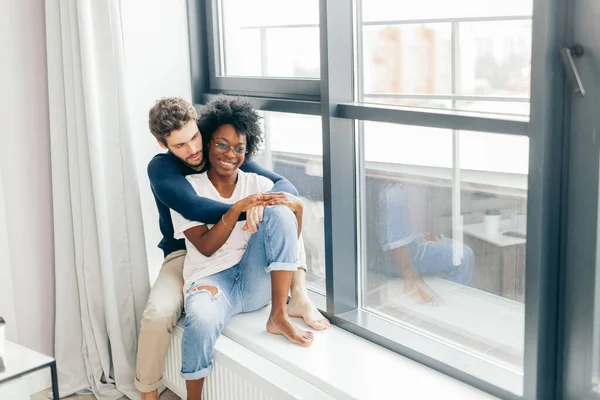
509,271
498,239
20,361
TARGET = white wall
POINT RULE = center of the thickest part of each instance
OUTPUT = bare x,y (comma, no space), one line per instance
157,58
25,169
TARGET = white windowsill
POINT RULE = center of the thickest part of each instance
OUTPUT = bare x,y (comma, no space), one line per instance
346,366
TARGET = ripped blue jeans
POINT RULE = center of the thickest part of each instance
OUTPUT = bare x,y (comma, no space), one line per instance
245,287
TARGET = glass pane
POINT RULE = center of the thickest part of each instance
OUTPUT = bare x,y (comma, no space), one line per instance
495,58
410,58
270,38
386,10
495,107
445,236
412,53
410,102
293,148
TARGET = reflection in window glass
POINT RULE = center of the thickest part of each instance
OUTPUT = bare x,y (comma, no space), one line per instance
386,10
462,282
293,148
409,101
407,59
495,58
520,108
270,38
434,53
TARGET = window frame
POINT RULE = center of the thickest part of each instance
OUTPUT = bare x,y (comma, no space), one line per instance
291,88
331,97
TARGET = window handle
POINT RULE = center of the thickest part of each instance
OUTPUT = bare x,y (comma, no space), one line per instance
568,54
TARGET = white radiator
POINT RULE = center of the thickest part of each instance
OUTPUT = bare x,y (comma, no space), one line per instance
238,374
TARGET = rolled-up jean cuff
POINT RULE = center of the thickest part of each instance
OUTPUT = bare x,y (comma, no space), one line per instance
395,244
194,376
281,266
142,387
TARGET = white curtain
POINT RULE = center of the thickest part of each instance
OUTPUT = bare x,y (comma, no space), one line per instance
101,270
7,299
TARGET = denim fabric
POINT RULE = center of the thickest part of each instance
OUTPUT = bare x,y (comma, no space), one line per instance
394,226
429,258
244,287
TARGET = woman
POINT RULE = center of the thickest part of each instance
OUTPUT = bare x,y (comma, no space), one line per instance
227,270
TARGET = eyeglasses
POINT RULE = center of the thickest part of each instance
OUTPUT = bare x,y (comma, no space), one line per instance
224,148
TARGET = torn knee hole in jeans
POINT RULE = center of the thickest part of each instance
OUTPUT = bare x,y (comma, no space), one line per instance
204,288
213,290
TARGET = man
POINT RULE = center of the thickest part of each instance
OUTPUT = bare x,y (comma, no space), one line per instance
173,123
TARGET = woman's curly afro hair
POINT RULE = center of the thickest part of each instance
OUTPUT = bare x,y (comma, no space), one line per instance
234,111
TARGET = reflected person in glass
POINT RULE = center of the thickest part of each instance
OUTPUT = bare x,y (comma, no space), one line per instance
412,255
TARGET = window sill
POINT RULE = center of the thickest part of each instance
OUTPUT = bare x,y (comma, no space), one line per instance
345,366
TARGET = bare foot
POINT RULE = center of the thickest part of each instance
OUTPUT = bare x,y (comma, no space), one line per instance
150,395
301,306
280,324
419,291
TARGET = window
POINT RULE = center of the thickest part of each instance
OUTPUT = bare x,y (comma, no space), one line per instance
293,148
270,38
405,128
445,237
466,55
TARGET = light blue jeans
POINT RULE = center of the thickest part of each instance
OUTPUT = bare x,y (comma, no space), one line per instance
430,258
245,287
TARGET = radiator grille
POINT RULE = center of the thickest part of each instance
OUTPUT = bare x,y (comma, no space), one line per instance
222,384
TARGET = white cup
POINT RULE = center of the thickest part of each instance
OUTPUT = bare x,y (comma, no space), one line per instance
492,224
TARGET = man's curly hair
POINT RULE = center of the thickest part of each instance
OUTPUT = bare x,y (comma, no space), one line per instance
169,114
234,111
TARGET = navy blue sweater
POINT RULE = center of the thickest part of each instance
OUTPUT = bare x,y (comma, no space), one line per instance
172,190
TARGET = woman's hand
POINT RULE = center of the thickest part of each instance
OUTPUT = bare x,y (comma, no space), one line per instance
285,199
249,202
253,217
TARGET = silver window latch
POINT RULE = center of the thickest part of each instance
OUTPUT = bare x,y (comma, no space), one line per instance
568,54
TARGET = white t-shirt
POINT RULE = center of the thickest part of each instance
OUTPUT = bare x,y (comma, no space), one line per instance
197,265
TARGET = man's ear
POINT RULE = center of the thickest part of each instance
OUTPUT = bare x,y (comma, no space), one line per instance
162,144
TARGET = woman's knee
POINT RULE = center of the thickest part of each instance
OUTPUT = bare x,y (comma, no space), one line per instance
467,265
468,257
279,213
203,323
203,311
468,252
280,217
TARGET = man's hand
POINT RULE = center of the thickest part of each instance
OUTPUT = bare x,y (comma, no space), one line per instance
285,199
253,217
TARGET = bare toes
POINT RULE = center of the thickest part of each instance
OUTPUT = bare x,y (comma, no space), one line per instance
306,339
319,324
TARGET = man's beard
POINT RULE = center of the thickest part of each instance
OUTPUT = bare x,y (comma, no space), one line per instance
197,165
